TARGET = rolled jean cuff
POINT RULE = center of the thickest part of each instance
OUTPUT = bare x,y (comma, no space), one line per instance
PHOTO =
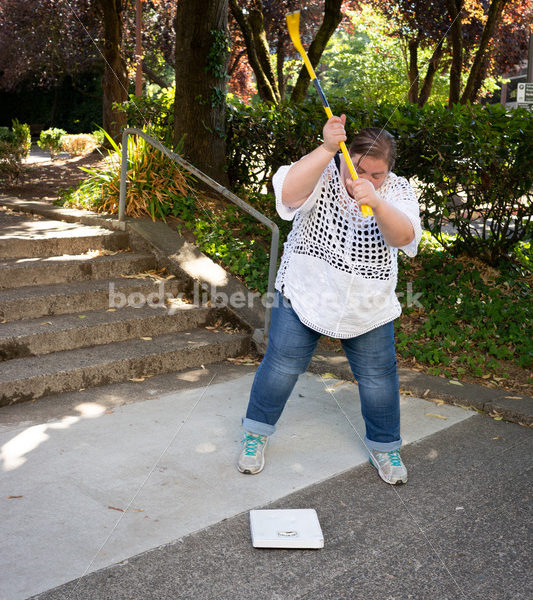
383,446
257,427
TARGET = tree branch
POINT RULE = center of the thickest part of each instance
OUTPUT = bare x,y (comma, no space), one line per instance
236,61
255,20
454,9
430,74
264,88
413,69
280,59
332,18
476,76
154,77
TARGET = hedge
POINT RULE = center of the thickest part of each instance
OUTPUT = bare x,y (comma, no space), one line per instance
468,163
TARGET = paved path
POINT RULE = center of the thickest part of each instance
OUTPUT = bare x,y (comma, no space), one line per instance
460,529
172,455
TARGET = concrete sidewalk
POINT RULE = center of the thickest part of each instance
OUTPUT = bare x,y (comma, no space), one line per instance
460,529
90,479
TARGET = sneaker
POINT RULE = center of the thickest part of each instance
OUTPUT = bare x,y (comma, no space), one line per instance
389,465
252,458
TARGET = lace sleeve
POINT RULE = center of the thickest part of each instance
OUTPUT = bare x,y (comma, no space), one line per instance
285,212
403,197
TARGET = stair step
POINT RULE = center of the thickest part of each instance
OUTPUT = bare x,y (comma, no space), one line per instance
17,272
75,240
65,298
24,379
33,337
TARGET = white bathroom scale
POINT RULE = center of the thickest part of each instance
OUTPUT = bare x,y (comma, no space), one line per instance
287,528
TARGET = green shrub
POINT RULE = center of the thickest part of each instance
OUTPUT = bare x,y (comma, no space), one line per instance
50,139
15,145
99,136
153,114
471,162
22,136
473,315
156,186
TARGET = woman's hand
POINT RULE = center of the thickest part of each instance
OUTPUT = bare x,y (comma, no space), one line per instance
363,192
334,133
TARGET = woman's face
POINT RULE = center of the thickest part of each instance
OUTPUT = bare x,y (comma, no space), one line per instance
367,167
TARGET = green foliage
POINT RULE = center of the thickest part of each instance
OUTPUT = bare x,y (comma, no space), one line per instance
472,315
154,113
50,139
22,136
261,137
15,144
367,63
155,185
523,253
371,64
99,136
217,55
471,162
247,258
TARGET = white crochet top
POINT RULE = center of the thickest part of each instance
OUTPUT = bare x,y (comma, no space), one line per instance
337,270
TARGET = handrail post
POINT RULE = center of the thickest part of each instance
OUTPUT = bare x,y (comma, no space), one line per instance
123,176
271,279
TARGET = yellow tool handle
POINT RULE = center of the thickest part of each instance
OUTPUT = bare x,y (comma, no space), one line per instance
293,25
365,209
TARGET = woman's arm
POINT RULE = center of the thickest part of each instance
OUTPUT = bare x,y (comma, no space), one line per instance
302,177
395,226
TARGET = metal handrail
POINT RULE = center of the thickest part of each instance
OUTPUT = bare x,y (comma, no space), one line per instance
217,188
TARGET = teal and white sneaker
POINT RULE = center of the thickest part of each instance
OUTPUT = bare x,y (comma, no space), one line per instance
252,457
389,465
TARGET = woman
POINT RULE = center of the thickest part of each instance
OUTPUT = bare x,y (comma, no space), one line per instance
338,278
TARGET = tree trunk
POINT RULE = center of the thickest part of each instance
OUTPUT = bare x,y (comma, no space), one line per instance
430,74
332,17
477,72
481,73
115,78
413,70
264,86
280,60
454,9
261,47
201,65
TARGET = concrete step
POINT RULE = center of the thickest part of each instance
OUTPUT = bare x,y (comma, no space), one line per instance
43,271
66,298
32,337
72,241
24,379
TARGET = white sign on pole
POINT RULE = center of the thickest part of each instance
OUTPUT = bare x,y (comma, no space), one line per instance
524,93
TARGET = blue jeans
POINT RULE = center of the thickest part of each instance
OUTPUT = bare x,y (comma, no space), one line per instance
372,358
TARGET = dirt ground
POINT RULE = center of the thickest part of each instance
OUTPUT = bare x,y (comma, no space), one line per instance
43,178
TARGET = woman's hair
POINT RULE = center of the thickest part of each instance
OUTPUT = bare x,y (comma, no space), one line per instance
376,142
